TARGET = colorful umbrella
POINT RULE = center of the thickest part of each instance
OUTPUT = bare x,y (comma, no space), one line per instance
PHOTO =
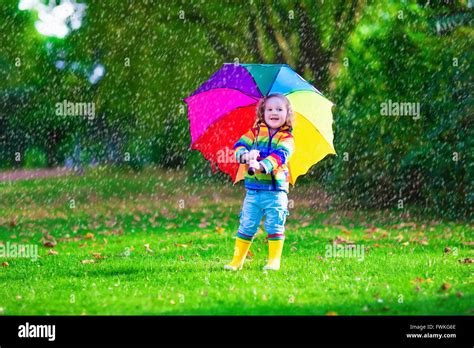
222,109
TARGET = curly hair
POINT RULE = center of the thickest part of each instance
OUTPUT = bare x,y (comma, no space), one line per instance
290,117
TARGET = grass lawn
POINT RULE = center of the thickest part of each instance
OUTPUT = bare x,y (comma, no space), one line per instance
151,243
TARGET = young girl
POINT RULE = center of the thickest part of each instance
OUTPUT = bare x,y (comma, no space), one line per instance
266,148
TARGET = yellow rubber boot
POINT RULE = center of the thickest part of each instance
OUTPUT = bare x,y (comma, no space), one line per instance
275,247
240,252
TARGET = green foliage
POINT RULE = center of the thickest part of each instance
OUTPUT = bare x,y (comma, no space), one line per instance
35,158
393,158
361,54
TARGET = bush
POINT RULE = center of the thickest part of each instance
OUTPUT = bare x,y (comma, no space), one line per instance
35,158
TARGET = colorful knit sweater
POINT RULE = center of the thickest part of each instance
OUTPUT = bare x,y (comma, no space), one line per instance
275,151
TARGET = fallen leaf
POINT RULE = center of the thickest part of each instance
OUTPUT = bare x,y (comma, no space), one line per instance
341,240
219,230
49,244
113,232
84,262
445,286
181,257
342,228
147,248
447,250
404,225
331,314
423,241
459,294
69,239
89,236
203,224
14,221
52,252
466,260
249,255
98,256
5,264
399,238
181,245
417,280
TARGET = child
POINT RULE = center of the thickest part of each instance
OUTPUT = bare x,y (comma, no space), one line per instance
266,148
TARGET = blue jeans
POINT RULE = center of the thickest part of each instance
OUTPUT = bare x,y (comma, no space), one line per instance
272,204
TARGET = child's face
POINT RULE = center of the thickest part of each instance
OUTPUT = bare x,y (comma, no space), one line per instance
275,112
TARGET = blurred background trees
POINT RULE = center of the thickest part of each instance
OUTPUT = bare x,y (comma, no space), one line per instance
137,60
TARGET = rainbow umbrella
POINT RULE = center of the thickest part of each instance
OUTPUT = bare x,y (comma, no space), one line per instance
222,109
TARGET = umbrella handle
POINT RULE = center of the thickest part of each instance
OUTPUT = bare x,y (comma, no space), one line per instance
251,170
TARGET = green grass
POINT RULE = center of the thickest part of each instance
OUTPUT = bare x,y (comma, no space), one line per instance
189,226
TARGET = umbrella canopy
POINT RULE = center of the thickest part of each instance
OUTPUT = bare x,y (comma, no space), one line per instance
222,109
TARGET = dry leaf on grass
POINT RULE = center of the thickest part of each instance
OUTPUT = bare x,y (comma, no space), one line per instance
49,244
52,252
466,260
399,238
341,240
249,255
5,264
203,224
84,262
118,232
445,286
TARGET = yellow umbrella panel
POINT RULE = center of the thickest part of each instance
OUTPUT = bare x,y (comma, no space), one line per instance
312,131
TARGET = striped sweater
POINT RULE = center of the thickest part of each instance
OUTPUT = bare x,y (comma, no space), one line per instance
275,152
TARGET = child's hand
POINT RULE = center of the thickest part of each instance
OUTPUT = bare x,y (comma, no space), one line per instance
244,158
253,154
256,165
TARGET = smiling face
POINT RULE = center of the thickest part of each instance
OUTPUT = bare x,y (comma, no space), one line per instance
275,112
